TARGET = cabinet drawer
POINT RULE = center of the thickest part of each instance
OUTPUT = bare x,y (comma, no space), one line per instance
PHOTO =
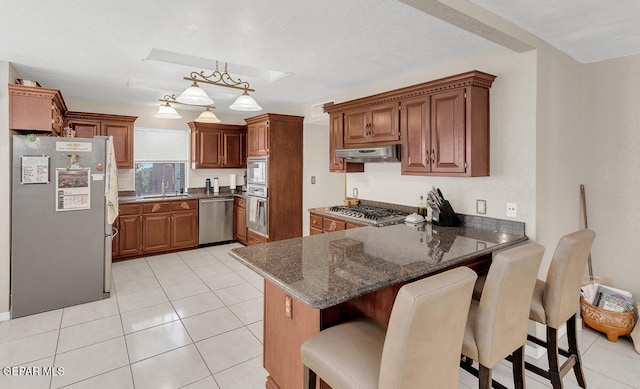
316,221
240,202
315,231
330,225
351,225
254,237
156,207
183,205
128,209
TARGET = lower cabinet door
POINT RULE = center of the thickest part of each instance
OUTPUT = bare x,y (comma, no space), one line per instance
157,232
184,229
129,237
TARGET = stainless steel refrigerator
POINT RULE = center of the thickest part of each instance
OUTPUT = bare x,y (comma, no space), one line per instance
60,237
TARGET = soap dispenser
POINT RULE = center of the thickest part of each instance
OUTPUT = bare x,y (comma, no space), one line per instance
216,185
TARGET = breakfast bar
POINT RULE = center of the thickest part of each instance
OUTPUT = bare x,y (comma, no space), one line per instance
314,282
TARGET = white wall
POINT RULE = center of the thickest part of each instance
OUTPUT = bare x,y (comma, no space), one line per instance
7,76
610,162
145,119
559,143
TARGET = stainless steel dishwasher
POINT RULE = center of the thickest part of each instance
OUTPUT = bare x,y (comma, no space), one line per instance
215,220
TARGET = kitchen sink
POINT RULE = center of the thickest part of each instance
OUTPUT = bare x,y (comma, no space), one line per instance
166,196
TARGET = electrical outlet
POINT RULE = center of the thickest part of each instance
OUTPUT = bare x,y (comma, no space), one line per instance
313,180
355,193
512,210
481,206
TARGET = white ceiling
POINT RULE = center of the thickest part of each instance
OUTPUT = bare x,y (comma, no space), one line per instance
98,49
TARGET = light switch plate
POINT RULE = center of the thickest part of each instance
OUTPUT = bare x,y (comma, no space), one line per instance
313,180
481,206
355,193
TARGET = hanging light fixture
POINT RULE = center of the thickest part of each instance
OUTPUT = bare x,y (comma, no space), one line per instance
207,117
245,103
166,111
242,103
194,95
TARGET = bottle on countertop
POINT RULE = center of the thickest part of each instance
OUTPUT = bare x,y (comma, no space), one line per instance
207,186
422,207
216,185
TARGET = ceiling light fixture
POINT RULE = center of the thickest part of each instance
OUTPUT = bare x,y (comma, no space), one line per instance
166,111
242,103
207,117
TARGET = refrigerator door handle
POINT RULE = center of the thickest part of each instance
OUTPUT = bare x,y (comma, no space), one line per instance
114,232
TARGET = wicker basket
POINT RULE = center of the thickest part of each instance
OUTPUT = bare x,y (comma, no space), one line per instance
611,323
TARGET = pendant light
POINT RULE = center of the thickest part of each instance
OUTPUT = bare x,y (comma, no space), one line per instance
245,103
207,117
166,111
194,95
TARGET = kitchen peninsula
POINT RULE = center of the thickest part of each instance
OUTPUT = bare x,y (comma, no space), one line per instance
314,282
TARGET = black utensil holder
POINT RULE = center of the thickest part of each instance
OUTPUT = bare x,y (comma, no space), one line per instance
446,217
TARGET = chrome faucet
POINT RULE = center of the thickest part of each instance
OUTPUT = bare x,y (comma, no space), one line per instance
165,184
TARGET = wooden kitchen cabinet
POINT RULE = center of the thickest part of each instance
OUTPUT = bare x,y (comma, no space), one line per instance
36,109
372,124
258,139
282,139
451,137
240,219
88,125
443,125
128,242
254,237
156,230
156,227
336,141
218,146
319,224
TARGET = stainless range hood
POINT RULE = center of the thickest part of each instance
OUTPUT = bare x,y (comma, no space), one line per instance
370,154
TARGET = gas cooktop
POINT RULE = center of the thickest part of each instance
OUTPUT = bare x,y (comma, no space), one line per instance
367,214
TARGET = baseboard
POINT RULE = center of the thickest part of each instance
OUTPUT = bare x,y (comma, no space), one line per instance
4,316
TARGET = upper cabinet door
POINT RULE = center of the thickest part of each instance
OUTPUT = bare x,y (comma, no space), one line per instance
122,133
448,125
85,128
373,124
234,144
258,139
384,123
416,140
335,142
356,126
208,153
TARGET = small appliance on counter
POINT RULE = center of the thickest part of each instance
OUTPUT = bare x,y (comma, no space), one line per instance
207,186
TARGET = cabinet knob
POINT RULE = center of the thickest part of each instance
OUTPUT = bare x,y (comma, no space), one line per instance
433,156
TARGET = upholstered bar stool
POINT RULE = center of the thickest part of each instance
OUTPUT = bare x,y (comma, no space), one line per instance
419,349
556,302
497,324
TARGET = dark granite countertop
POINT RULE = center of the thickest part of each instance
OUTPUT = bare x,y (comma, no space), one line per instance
328,269
172,197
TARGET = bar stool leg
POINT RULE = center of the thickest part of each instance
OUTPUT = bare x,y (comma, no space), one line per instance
484,377
517,364
552,356
573,350
309,378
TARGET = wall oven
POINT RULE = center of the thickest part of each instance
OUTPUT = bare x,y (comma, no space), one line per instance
257,209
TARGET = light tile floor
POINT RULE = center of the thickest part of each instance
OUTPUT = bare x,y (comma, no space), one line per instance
194,320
